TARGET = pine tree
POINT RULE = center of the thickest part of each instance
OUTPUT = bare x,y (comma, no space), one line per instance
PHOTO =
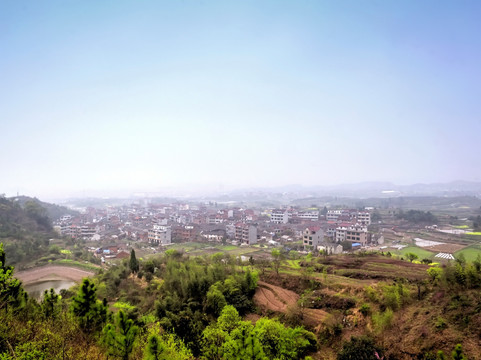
90,312
154,348
49,304
120,337
134,264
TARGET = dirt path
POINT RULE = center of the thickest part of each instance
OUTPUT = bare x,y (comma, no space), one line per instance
52,272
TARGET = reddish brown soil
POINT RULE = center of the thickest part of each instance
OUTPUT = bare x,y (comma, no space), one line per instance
445,248
313,317
52,273
277,299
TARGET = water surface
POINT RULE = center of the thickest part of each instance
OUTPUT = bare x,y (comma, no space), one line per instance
36,289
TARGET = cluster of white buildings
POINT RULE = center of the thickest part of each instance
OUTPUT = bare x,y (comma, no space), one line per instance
283,216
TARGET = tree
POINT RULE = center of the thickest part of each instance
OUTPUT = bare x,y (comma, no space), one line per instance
477,263
276,259
346,245
229,319
165,347
133,263
215,301
49,304
119,337
461,259
359,348
11,291
457,353
89,311
411,256
435,273
242,344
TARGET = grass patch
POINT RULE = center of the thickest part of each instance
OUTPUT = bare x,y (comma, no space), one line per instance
461,227
123,306
477,233
294,264
420,252
241,251
470,253
227,247
189,246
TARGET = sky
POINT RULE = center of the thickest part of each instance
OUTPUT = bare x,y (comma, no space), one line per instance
146,95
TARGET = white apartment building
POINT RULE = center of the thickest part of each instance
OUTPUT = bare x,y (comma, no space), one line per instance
279,216
361,217
332,215
353,233
308,215
364,217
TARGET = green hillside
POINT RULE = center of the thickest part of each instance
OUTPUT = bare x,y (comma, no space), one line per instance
25,229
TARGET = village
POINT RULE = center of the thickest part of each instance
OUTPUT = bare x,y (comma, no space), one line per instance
155,226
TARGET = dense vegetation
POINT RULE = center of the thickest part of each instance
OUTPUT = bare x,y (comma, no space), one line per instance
178,307
417,216
25,230
186,308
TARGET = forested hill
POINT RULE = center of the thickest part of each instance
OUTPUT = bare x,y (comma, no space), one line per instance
17,220
53,211
24,228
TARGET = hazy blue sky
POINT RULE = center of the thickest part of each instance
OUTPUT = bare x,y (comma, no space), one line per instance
140,95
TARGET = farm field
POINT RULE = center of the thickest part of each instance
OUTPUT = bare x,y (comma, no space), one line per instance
420,252
470,253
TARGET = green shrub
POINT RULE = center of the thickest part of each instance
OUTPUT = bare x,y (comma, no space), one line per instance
365,309
359,348
441,323
382,320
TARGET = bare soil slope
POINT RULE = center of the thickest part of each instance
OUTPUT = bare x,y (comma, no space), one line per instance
52,272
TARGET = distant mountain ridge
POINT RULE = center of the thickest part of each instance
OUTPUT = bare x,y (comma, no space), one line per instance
376,189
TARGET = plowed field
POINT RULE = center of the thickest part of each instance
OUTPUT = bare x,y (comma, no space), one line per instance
274,298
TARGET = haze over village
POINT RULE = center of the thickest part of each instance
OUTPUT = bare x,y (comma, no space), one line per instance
240,180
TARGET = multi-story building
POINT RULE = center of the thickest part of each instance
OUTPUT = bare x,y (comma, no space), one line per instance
361,217
333,215
364,218
246,233
88,230
279,216
308,215
160,235
215,219
353,233
312,237
184,233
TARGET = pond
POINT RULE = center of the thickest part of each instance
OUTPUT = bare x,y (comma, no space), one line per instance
36,289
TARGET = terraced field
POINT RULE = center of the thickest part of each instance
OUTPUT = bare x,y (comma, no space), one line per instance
270,297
